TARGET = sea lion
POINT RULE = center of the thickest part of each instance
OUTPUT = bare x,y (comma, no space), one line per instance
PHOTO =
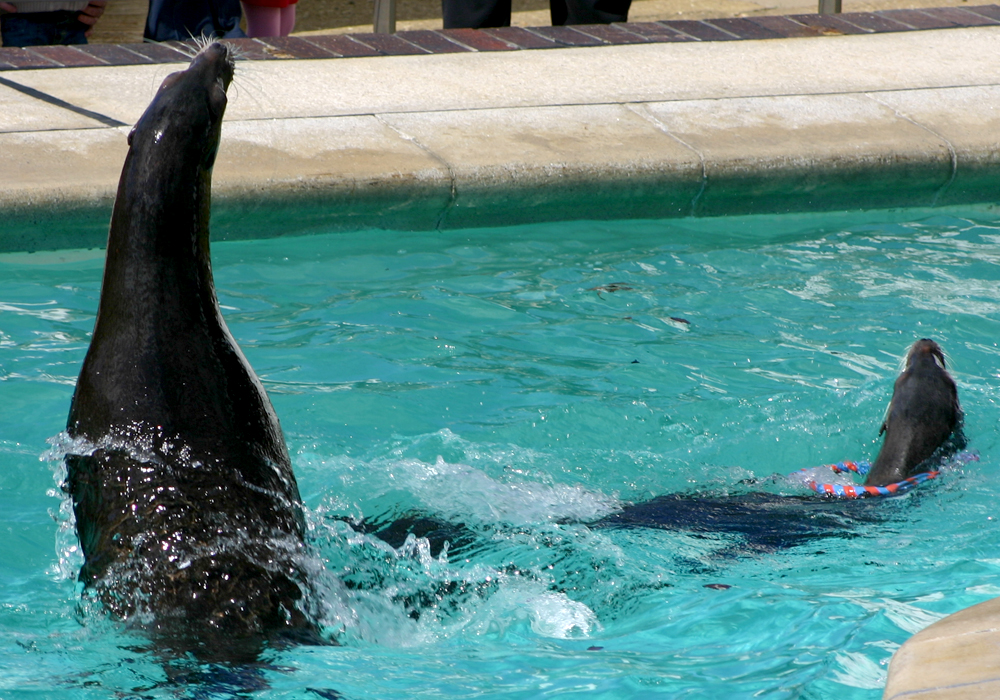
187,510
924,419
922,426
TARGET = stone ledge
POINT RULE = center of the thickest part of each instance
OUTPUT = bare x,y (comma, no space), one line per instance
956,658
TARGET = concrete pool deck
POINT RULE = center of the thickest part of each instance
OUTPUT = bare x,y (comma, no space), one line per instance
447,137
671,127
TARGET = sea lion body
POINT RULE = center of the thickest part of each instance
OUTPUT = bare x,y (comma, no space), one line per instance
186,506
924,417
762,522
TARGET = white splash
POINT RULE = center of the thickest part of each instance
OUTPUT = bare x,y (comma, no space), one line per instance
548,614
460,489
859,671
69,556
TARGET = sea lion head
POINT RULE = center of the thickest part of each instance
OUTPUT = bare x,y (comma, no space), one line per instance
925,350
923,423
183,123
164,195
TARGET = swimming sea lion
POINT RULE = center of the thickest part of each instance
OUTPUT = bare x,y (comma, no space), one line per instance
186,506
924,419
923,423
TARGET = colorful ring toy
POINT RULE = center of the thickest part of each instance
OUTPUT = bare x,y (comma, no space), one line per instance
860,491
862,468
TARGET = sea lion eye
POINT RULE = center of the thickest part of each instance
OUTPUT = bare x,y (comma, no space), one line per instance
217,99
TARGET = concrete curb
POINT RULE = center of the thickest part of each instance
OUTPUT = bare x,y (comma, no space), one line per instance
955,658
483,139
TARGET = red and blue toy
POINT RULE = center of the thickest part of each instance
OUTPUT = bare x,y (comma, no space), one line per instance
862,491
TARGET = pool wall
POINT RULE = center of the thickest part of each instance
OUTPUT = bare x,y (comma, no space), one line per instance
474,139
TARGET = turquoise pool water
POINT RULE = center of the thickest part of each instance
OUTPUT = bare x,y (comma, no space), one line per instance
525,382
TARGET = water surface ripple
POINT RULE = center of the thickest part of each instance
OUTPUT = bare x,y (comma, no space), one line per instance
520,384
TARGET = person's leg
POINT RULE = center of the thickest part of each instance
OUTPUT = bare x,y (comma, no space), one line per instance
287,20
558,12
226,15
151,31
475,14
70,30
262,21
18,30
41,28
592,11
181,19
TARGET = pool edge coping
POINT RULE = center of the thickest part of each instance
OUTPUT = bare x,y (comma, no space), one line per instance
661,150
952,655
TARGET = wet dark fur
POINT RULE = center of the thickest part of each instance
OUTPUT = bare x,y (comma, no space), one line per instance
438,532
764,522
199,537
924,419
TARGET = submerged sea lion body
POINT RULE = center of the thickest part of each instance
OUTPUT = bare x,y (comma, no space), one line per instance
186,506
763,522
924,419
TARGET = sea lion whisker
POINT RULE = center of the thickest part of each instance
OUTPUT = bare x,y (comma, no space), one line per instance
202,42
237,52
246,85
194,44
190,47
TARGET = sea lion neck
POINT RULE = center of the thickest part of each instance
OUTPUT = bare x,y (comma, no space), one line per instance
165,190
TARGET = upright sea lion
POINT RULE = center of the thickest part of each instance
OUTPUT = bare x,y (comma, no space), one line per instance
187,509
924,419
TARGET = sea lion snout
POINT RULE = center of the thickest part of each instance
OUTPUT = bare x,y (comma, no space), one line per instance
215,61
926,349
211,69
